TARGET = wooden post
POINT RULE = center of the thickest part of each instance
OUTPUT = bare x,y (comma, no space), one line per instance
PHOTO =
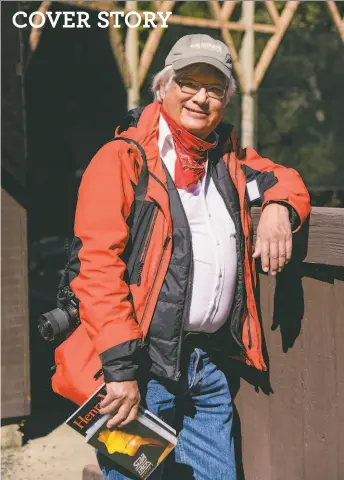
132,56
218,24
272,9
273,43
227,38
152,44
35,34
116,44
247,67
227,9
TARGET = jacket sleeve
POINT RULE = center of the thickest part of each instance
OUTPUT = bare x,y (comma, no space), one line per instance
104,202
280,184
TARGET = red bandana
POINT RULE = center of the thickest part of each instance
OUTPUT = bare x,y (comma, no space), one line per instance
191,154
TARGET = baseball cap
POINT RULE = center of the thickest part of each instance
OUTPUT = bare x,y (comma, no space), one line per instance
200,48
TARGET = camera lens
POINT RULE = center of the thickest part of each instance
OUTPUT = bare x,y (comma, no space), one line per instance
45,328
54,323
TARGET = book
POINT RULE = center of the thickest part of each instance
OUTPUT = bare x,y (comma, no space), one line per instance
137,448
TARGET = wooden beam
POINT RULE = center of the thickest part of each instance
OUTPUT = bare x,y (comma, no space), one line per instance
35,34
220,23
227,9
273,43
98,6
132,55
166,6
216,11
117,47
152,44
271,8
247,60
178,19
339,22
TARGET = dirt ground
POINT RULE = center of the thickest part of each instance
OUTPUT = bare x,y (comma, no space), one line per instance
62,454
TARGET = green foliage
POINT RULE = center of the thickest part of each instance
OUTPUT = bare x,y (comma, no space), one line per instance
193,9
301,103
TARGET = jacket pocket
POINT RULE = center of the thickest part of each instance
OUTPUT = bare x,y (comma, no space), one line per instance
257,183
140,240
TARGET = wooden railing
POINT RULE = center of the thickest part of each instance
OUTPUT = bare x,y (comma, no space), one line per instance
292,417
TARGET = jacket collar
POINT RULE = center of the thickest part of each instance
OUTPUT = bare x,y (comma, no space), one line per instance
142,125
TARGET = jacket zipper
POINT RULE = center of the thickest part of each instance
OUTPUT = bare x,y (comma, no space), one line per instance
166,242
251,278
238,233
249,331
185,314
98,374
145,248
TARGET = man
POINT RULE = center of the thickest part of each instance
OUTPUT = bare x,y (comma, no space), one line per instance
193,288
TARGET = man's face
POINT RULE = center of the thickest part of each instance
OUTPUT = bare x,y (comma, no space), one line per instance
198,113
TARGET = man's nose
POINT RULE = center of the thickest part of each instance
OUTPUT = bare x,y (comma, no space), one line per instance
201,96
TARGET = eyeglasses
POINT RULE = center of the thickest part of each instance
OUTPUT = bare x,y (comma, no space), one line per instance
191,88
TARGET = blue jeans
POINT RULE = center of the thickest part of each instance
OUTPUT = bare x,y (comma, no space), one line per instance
200,408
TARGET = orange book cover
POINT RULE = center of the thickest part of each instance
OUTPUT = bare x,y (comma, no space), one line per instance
137,448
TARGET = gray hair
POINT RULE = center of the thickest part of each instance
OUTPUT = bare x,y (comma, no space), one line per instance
167,75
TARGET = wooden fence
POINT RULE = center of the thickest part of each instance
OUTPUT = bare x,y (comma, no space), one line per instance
15,355
292,417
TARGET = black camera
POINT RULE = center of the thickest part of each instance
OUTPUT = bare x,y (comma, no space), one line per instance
60,321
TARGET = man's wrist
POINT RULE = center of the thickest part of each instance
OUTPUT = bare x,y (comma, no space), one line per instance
293,215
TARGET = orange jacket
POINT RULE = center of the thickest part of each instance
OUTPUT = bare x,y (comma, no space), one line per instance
105,198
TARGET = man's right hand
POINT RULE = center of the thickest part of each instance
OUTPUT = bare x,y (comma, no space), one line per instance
122,400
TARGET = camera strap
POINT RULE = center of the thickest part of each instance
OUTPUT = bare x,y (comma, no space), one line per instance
140,194
141,187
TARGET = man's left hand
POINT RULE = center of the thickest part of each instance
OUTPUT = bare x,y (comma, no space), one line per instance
274,238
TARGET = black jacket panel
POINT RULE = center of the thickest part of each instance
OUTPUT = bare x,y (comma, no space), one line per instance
167,324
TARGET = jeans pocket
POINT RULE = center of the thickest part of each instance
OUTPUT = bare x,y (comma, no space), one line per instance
192,370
